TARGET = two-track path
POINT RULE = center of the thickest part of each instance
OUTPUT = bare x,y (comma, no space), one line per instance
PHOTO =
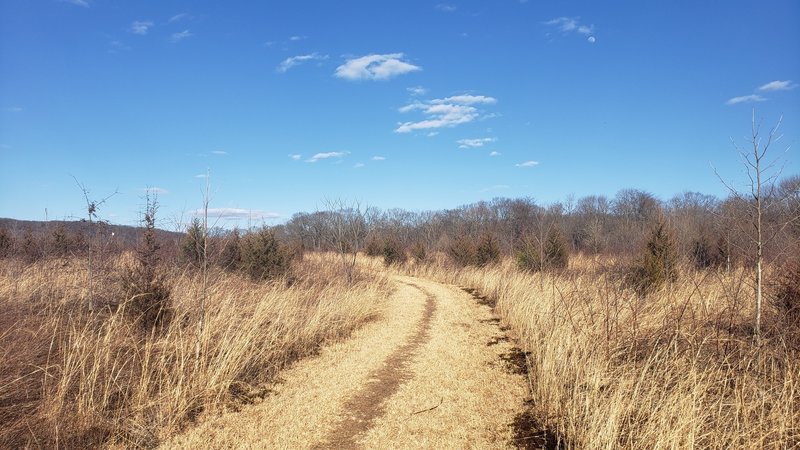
427,374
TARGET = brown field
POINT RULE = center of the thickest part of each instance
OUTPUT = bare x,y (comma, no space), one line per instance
675,369
71,379
607,368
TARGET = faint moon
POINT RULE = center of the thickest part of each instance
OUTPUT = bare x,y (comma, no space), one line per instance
591,39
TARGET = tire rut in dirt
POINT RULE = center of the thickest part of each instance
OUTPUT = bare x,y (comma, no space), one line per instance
368,404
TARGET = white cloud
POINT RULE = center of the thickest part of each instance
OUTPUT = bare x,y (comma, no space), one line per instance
432,133
288,63
375,67
155,190
237,213
495,154
569,25
177,17
201,175
116,46
745,99
446,7
466,100
13,109
474,143
177,37
141,26
296,156
528,164
359,165
297,38
778,85
219,152
326,155
378,158
416,91
444,113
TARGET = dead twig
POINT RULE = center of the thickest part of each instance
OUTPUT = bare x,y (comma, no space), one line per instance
429,409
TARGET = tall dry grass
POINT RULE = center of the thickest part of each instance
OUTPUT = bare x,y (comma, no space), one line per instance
74,379
675,369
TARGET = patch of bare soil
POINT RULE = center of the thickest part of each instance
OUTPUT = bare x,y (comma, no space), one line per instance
368,404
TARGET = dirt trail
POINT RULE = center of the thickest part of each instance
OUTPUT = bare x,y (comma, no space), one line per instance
428,374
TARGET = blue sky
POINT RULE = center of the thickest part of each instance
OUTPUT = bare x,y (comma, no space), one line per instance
418,105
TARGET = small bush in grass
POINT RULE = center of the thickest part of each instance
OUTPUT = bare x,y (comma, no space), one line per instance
659,264
487,252
193,244
462,251
418,252
230,257
705,255
373,248
553,256
393,252
262,257
147,296
6,243
555,250
787,296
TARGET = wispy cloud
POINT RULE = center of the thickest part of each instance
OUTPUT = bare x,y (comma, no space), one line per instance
295,156
178,17
416,91
117,46
155,190
495,154
236,213
201,175
177,37
288,63
445,7
297,38
496,187
466,100
219,152
375,67
378,158
359,165
474,143
528,164
83,3
326,155
745,99
777,85
568,25
141,26
12,109
445,112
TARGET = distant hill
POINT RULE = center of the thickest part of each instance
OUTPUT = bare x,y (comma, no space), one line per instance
125,235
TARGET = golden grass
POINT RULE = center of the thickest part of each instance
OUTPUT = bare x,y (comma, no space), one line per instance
71,378
677,369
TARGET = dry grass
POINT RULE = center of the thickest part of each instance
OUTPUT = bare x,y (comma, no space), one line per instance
675,369
73,379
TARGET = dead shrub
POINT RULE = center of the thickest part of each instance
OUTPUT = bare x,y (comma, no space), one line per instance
393,252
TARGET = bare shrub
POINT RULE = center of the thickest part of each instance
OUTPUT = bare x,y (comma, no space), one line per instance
462,251
488,251
393,252
6,243
418,252
373,248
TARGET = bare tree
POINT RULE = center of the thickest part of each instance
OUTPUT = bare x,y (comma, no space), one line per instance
346,231
760,197
91,213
